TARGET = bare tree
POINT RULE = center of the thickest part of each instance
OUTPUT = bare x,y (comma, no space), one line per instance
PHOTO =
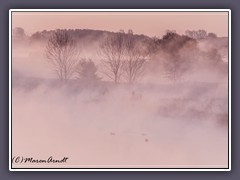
62,54
123,55
112,52
134,58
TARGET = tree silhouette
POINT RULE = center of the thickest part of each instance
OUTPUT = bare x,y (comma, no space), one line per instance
112,52
175,63
86,71
62,54
135,54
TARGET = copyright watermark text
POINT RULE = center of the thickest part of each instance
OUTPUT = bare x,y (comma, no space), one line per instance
49,160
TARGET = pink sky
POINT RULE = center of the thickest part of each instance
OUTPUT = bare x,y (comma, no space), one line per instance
148,23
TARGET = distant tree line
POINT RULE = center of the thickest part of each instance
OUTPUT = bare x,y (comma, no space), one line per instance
200,34
124,56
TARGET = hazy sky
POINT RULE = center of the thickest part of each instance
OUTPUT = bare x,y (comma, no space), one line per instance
148,23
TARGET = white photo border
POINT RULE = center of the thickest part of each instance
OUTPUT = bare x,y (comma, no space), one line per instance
119,169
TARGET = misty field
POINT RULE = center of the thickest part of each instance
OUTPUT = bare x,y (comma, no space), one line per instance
154,126
168,110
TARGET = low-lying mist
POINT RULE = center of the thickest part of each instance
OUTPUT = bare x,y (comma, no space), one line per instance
169,125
